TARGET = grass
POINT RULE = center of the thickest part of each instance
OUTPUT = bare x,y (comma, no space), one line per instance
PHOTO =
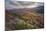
23,25
30,21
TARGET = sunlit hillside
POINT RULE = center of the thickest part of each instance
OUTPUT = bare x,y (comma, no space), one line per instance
24,19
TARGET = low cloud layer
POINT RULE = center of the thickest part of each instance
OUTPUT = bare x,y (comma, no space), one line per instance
13,4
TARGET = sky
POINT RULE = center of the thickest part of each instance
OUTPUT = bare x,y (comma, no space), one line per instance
16,4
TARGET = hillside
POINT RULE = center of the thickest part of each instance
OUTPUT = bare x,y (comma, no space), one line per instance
25,18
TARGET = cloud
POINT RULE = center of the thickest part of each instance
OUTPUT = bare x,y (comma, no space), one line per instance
13,4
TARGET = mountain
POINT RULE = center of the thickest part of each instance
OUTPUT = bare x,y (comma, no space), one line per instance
39,10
